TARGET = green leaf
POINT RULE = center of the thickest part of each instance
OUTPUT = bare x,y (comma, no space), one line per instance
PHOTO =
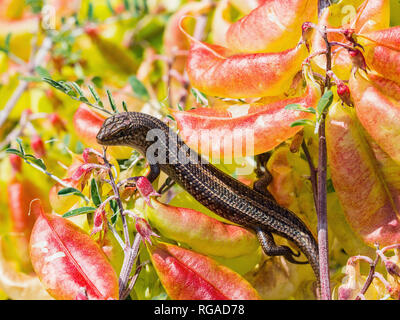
126,4
137,6
7,42
138,88
83,99
21,148
200,97
77,89
325,102
97,81
14,151
124,106
115,210
145,7
36,5
109,6
111,101
59,85
329,186
42,72
302,122
299,107
94,192
78,211
30,79
90,12
95,96
69,191
37,161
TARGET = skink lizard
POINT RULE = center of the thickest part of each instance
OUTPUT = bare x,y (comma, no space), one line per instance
213,188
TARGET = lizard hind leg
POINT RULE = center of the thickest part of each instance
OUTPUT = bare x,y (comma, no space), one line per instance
270,248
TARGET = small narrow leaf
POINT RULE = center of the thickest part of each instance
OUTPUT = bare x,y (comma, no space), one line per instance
78,211
21,148
138,88
42,72
111,101
302,122
70,191
325,101
7,41
59,85
33,159
95,96
299,107
14,151
97,81
145,7
94,192
77,89
90,12
109,6
200,97
136,5
126,4
124,106
114,208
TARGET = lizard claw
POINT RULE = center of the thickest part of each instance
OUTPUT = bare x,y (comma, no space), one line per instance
289,254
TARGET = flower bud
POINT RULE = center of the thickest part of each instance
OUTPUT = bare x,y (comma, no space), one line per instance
343,92
16,162
57,122
357,59
392,268
98,218
307,30
144,229
145,189
37,146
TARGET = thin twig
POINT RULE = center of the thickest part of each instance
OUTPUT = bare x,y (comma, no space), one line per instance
127,265
118,199
322,190
369,279
313,172
23,84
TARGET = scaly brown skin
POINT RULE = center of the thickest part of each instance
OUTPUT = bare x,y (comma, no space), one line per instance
214,189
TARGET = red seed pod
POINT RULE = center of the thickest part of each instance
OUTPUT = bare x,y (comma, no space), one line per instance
348,33
307,30
145,189
344,93
37,146
144,229
57,122
357,59
91,30
16,162
392,268
98,219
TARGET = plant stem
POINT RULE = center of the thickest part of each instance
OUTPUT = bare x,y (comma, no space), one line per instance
321,189
118,200
23,84
369,279
313,173
127,266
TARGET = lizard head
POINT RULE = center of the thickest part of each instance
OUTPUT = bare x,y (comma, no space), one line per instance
115,130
